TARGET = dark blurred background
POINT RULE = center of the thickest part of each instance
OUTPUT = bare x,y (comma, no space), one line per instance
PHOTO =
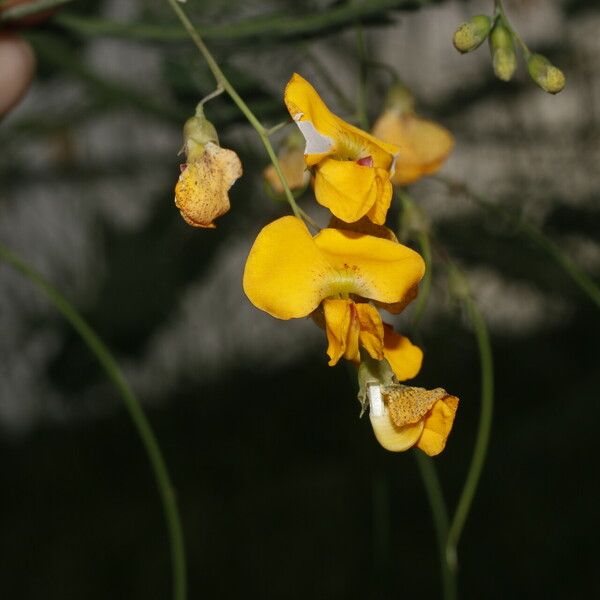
283,491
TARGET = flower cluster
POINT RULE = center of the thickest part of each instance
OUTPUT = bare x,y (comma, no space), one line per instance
345,273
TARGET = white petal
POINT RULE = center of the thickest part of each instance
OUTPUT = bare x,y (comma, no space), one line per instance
316,143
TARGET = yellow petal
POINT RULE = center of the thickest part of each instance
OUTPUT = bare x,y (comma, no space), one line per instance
201,194
371,329
392,437
342,329
365,226
346,188
293,168
286,274
368,266
327,134
378,212
404,357
424,145
437,426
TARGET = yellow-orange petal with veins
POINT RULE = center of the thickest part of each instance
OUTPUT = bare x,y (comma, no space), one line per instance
326,134
371,329
346,188
437,426
342,328
404,357
286,274
370,267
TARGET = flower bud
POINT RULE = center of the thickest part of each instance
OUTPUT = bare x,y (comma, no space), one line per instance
503,52
471,35
550,78
197,132
202,191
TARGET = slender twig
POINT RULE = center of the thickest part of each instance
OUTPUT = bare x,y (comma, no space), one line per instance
439,512
424,292
326,76
140,422
536,235
361,96
484,427
500,14
271,27
223,82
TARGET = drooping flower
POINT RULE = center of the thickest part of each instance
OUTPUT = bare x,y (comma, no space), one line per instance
352,168
404,417
202,192
293,167
423,145
335,276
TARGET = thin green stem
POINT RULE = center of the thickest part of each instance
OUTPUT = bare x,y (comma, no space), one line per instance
439,512
277,127
268,28
140,422
223,82
581,279
500,14
361,97
483,430
341,97
424,292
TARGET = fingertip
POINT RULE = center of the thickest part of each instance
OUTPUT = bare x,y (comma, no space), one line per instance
17,64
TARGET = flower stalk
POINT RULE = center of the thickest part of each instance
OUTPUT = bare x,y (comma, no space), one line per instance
133,406
224,83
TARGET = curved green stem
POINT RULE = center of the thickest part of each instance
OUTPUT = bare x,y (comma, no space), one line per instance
500,14
439,512
583,281
223,82
424,292
361,98
108,363
270,27
483,430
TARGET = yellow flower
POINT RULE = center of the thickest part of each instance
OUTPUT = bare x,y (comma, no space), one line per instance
352,168
423,145
289,274
404,417
202,192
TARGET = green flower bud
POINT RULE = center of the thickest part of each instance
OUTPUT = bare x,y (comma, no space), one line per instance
502,47
400,98
471,35
197,132
550,78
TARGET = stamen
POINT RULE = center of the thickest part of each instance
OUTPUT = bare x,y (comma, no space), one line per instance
366,161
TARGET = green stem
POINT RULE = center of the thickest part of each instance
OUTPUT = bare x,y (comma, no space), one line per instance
500,14
223,82
271,27
583,281
483,430
440,520
341,97
111,368
361,98
424,292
